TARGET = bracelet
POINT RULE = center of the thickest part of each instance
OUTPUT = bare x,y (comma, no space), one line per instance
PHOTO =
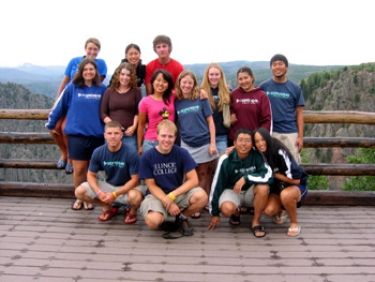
173,197
114,194
97,194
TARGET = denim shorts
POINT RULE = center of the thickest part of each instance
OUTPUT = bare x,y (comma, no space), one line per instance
221,143
149,144
131,141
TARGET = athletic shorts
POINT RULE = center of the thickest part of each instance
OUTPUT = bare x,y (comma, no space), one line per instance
108,188
151,203
243,199
81,147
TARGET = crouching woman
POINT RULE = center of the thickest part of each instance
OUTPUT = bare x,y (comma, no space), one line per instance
289,188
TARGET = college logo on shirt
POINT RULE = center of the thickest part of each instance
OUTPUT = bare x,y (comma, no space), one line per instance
247,101
165,168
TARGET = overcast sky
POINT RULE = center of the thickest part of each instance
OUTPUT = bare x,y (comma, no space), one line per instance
317,32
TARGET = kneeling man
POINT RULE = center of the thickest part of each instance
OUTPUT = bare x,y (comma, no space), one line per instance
120,163
241,179
169,172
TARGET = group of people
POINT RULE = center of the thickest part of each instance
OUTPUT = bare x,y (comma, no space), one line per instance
176,139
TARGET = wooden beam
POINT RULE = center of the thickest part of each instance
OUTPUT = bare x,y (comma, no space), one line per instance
339,117
340,198
338,142
24,114
25,138
28,189
32,164
309,116
339,169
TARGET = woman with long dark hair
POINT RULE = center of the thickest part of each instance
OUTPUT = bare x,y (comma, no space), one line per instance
289,188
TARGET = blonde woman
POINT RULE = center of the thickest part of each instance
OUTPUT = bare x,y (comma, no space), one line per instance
214,83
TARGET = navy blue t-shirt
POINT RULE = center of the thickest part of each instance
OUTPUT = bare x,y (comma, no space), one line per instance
168,170
118,166
192,121
284,98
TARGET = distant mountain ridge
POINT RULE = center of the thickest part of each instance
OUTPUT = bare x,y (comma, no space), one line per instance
46,79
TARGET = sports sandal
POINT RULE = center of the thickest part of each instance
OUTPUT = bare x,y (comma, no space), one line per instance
61,163
69,169
234,220
294,232
281,219
107,214
130,218
258,228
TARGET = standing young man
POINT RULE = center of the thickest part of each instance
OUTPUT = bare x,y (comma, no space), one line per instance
163,48
287,103
241,179
120,163
169,172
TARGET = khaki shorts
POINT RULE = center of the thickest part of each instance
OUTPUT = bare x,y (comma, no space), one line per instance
150,203
244,199
289,140
108,188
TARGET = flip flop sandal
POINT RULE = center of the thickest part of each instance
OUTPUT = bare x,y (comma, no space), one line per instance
294,232
107,214
258,228
281,219
61,163
88,206
235,220
130,218
69,169
77,203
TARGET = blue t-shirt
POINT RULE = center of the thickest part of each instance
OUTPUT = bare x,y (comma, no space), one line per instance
72,67
284,98
192,121
168,170
119,166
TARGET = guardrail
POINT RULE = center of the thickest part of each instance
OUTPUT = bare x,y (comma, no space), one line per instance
315,197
